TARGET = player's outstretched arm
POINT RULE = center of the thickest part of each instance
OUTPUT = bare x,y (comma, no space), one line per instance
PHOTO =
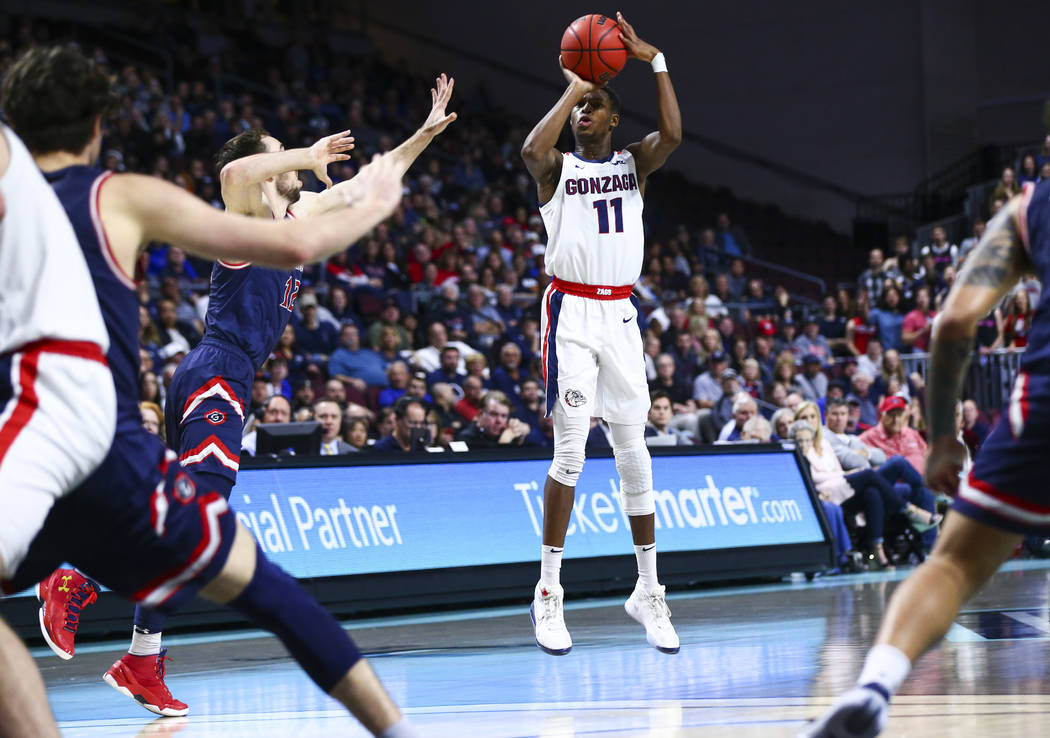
652,151
401,158
541,158
136,210
990,272
240,180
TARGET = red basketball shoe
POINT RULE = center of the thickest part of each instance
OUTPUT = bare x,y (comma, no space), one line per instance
142,679
63,596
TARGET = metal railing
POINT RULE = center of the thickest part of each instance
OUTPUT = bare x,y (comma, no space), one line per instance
989,380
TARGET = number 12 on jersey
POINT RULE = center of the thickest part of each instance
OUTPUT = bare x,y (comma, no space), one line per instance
603,206
291,290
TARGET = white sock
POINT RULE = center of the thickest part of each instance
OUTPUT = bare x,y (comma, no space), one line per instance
550,565
401,729
144,644
646,556
887,666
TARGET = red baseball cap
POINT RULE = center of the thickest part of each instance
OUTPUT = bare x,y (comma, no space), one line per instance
766,328
892,402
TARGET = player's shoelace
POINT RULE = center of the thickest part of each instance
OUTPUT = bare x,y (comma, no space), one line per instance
159,670
658,607
551,606
84,595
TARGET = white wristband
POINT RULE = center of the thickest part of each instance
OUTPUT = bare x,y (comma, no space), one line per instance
659,63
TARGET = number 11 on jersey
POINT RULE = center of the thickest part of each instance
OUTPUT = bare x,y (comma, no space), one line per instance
602,206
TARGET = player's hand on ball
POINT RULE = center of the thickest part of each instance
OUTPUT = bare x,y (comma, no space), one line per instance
329,149
381,183
438,121
636,48
576,80
943,464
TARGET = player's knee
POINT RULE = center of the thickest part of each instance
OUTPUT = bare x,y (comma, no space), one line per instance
567,463
635,468
570,441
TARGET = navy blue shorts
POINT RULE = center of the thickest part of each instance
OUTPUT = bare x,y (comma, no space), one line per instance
1007,487
140,524
204,409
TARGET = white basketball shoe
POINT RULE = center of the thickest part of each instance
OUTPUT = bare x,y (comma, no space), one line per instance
650,609
861,712
548,618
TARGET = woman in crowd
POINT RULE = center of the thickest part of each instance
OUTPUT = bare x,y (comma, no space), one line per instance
1007,186
149,336
802,433
889,318
338,304
152,418
149,389
863,491
892,379
696,314
478,366
784,372
781,422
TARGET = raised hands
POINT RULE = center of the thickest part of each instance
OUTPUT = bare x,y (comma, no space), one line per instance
438,121
636,48
328,150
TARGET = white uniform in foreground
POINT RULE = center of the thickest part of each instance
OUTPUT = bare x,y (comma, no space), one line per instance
57,401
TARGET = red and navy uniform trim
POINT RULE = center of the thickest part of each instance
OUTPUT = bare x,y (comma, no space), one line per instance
211,446
986,503
214,387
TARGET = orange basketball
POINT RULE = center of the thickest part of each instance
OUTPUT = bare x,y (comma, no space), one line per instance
591,47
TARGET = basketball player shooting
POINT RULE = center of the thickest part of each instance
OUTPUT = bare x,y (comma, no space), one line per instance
591,202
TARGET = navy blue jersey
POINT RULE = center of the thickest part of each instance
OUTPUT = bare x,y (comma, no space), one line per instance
250,306
77,189
1035,231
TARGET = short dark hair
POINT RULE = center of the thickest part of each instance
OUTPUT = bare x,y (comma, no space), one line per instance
660,395
836,402
243,144
403,403
614,99
52,97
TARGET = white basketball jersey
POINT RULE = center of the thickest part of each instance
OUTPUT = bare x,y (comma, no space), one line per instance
45,288
594,222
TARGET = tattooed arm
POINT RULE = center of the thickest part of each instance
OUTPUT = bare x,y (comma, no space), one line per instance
990,272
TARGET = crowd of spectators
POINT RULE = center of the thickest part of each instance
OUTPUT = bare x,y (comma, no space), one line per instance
427,331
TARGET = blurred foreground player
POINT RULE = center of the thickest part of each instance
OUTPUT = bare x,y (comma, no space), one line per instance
591,203
57,404
248,310
1005,495
139,523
